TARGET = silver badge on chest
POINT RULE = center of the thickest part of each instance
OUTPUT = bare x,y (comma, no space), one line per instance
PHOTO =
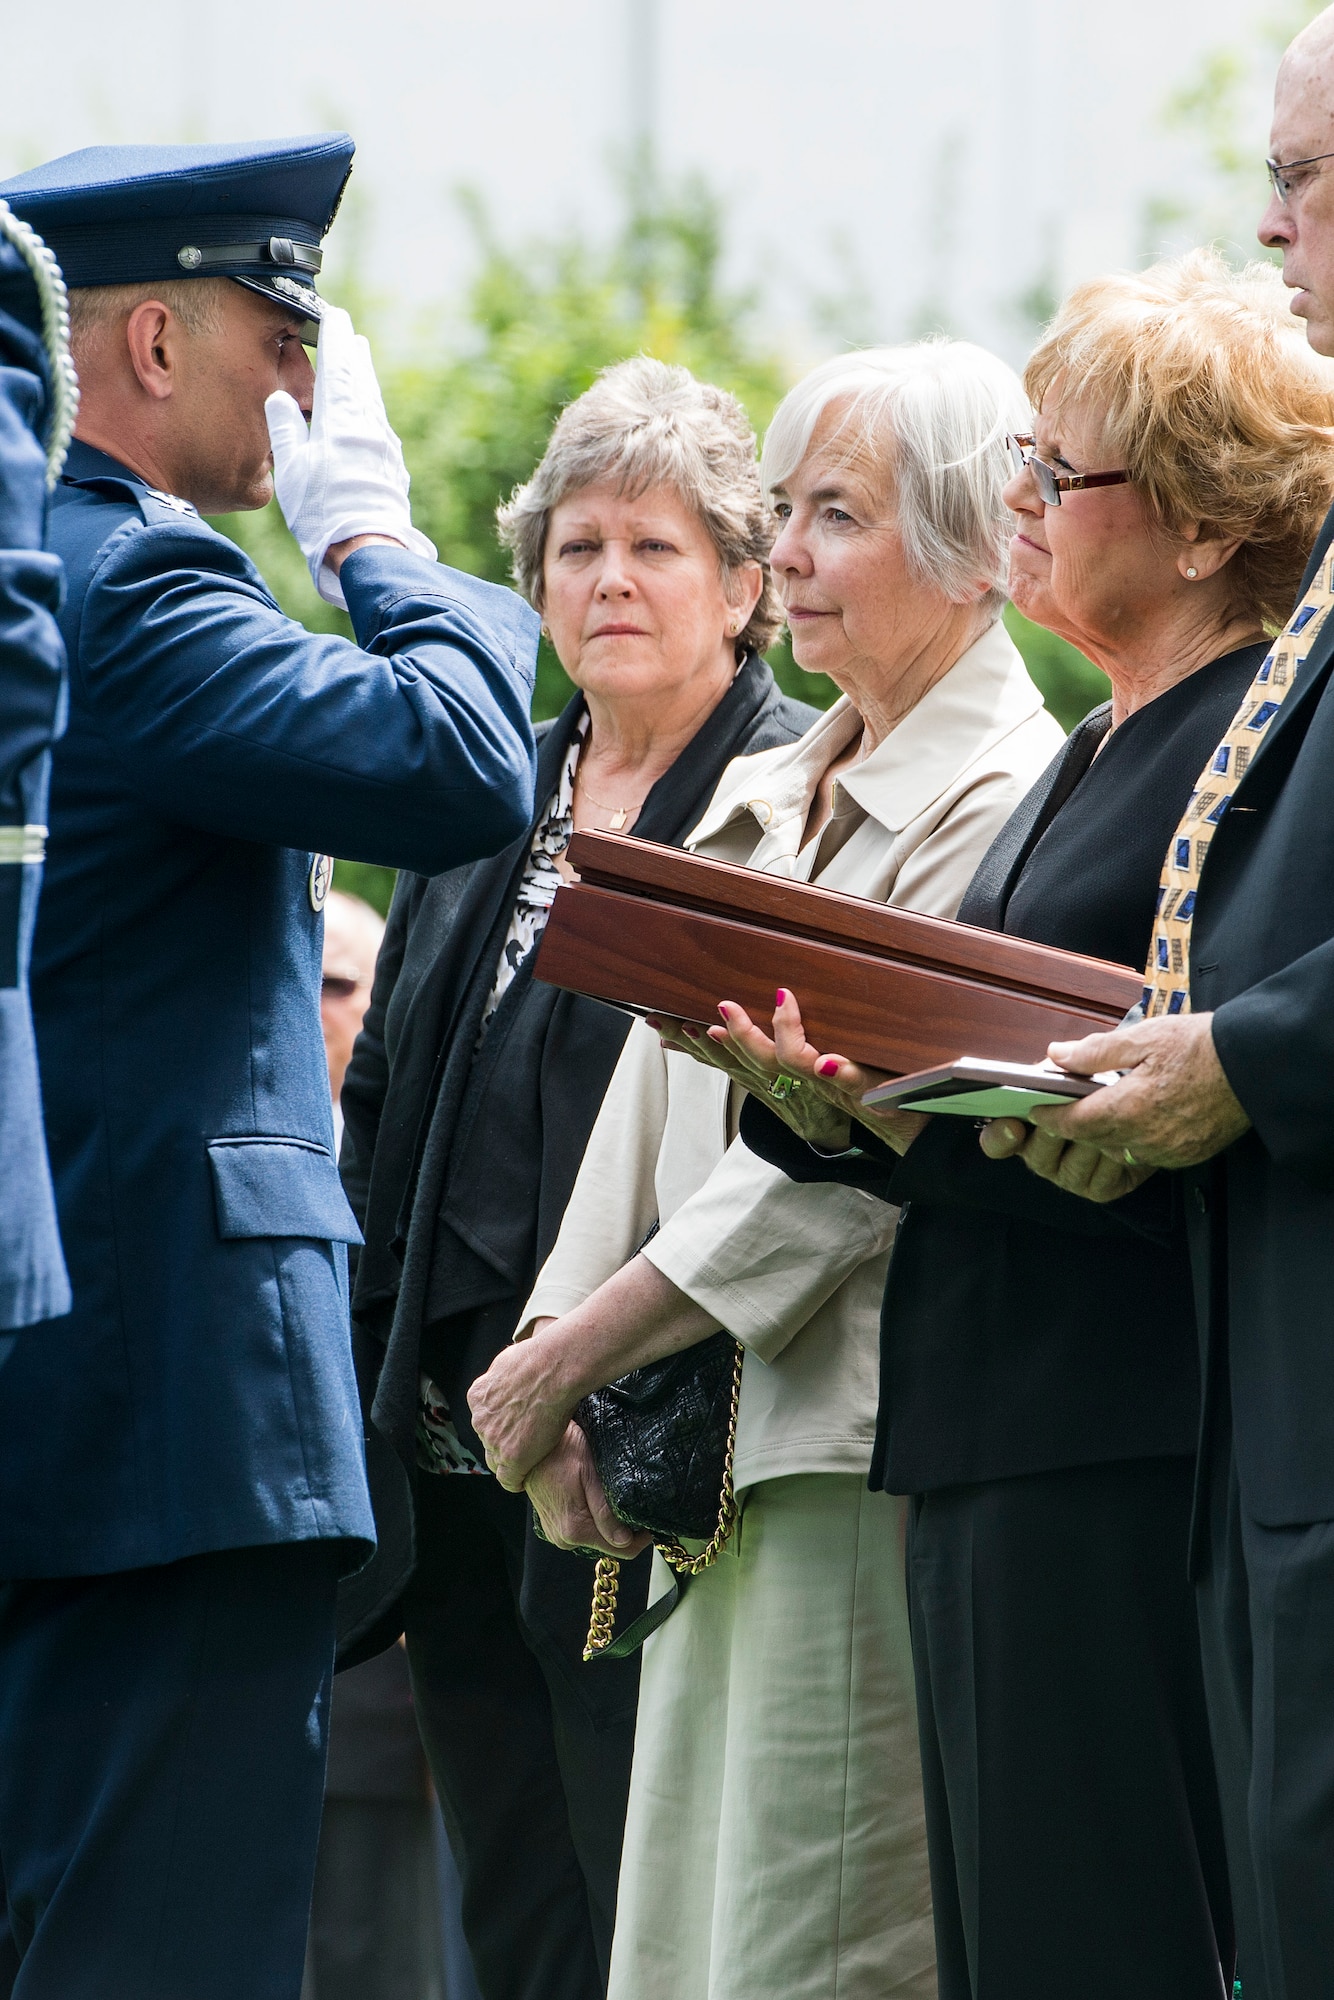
319,881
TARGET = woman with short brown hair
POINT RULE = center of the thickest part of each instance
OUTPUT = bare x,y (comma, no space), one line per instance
643,538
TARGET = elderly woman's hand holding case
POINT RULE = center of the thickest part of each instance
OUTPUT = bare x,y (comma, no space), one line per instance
819,1095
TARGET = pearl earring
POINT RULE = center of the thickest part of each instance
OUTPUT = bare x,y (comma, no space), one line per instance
1192,572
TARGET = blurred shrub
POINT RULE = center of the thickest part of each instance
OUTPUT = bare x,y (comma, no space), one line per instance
1069,684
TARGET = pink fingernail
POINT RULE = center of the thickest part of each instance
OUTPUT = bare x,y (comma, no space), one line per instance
723,1006
780,996
691,1030
828,1066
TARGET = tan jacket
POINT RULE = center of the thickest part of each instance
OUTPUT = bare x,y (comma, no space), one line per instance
797,1273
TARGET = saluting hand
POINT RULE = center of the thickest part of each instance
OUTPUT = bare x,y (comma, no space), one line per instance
344,476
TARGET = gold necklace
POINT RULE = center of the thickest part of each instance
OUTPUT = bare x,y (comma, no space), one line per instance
619,814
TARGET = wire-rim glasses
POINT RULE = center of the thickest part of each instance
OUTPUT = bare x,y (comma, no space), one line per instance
1051,484
1281,176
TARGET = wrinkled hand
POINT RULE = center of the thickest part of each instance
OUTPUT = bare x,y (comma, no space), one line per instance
746,1055
344,475
1175,1108
830,1080
1068,1164
519,1411
569,1501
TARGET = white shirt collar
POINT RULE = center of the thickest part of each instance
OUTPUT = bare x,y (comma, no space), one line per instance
986,694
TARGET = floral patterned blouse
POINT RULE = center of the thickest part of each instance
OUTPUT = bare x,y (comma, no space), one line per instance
439,1446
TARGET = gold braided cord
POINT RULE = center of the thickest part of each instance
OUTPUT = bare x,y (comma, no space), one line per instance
607,1579
55,334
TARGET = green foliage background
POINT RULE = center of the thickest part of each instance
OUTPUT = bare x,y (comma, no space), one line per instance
538,324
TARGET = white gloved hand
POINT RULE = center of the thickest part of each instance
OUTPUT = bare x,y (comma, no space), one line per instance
344,475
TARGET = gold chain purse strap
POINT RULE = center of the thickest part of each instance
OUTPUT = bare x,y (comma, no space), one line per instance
607,1578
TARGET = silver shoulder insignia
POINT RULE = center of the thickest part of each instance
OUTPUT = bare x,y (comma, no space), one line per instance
174,501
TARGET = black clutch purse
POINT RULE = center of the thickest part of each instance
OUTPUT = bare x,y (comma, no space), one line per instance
663,1439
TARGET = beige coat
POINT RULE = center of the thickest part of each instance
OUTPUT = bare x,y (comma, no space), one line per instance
797,1273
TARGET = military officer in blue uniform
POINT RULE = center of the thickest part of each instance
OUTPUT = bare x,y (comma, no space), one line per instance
37,400
181,1461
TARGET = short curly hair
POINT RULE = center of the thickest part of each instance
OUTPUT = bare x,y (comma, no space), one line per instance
646,423
1215,404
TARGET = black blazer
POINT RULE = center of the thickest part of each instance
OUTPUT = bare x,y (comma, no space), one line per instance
1262,1218
458,1160
1024,1329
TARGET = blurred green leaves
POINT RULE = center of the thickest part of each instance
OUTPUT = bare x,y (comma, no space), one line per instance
1068,683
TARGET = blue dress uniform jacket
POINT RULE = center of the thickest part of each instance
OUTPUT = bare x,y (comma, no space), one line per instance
33,1283
201,1394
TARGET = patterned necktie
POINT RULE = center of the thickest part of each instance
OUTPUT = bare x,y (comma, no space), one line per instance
1167,974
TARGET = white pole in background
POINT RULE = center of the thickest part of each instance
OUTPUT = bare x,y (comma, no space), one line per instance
642,42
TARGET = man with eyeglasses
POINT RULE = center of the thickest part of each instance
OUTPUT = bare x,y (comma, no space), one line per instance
1232,1080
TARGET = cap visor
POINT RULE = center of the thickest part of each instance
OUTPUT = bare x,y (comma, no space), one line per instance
287,292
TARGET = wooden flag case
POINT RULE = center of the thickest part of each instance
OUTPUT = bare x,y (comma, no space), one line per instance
658,931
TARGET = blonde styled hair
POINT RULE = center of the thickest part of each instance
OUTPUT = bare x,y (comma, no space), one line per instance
645,423
1214,403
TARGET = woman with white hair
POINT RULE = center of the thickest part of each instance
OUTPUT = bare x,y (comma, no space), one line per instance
775,1841
643,538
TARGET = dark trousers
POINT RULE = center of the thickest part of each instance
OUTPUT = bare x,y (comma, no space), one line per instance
532,1770
1072,1815
375,1928
163,1737
1266,1600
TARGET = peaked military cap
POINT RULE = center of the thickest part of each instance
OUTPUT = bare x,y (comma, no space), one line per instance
126,215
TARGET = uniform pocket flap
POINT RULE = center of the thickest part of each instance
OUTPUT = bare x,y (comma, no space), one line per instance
279,1187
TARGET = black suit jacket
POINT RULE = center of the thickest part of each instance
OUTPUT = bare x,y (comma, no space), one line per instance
1025,1330
1262,1219
458,1160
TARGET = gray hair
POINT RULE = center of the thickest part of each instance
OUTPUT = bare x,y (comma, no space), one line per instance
644,423
196,302
933,415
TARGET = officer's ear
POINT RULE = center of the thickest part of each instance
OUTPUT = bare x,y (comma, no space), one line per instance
153,335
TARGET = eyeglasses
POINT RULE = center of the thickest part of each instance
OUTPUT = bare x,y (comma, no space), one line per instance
1281,178
1023,449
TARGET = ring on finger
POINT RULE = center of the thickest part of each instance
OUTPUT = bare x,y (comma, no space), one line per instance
1129,1157
783,1086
